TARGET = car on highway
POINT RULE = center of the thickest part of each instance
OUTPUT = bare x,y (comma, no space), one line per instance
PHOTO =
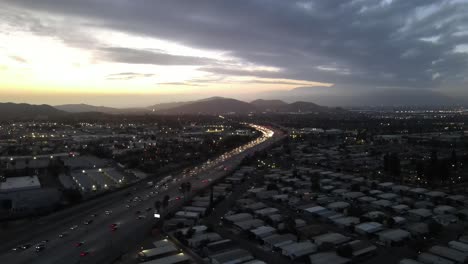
84,253
94,215
25,246
62,235
40,247
79,244
74,227
88,222
108,212
114,227
139,217
148,209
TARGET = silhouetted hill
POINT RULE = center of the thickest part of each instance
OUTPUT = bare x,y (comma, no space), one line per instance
298,107
341,95
84,108
164,106
268,105
11,111
208,106
212,106
410,97
211,99
220,105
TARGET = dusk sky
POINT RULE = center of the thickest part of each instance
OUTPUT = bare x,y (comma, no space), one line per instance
140,52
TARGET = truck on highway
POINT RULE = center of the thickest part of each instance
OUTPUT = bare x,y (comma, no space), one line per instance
149,184
165,180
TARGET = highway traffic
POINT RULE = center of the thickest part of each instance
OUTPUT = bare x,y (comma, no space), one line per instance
108,229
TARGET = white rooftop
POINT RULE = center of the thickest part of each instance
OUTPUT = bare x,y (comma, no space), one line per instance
19,183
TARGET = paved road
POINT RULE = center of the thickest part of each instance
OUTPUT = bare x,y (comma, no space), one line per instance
98,240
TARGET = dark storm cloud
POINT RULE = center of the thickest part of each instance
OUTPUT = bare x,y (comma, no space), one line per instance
275,82
139,56
241,72
365,42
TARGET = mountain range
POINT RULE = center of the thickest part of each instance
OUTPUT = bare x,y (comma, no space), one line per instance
12,111
351,96
84,108
300,99
208,106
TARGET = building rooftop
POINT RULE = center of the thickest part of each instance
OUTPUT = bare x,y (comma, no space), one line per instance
327,257
20,183
240,255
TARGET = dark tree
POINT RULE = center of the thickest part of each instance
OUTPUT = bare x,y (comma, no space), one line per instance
314,180
165,202
434,228
272,186
290,225
345,251
355,210
453,159
72,195
157,205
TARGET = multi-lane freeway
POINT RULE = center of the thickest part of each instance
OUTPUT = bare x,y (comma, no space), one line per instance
104,229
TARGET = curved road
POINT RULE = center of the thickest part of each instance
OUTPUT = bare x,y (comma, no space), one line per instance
97,241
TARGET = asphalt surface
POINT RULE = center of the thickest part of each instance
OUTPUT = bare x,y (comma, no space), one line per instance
97,241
